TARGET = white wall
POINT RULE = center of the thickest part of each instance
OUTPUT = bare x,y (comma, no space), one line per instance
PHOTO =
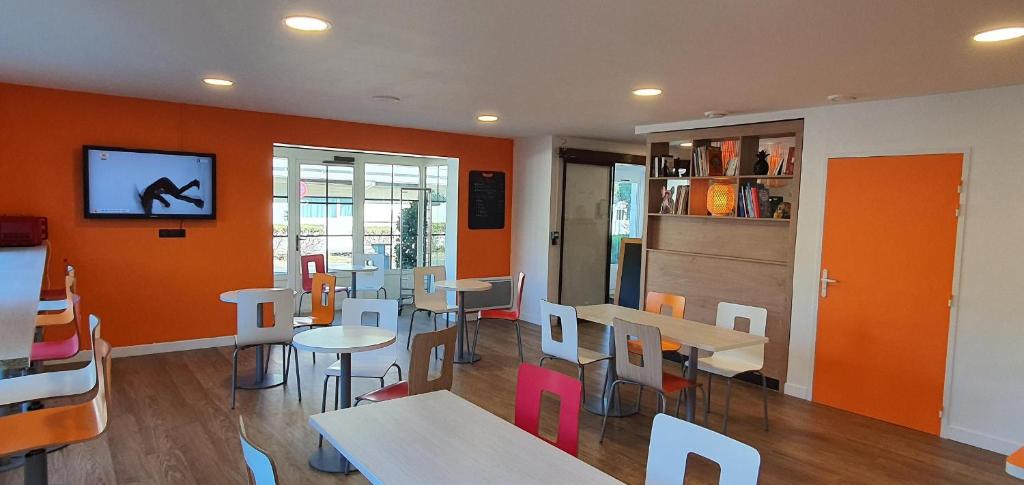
531,201
986,389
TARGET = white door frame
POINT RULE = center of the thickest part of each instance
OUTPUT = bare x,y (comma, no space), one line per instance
947,390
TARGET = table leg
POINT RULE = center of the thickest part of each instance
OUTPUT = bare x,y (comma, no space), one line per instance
353,292
35,468
594,405
259,378
691,392
461,353
328,459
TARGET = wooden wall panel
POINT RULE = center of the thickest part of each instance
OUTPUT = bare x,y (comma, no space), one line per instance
705,281
750,239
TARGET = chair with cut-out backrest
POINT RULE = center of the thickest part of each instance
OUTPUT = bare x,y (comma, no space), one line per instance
251,334
731,363
310,265
374,364
662,304
258,464
323,299
531,383
426,298
568,349
673,439
372,281
505,314
419,381
648,373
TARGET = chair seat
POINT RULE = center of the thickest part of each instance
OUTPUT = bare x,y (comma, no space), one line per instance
375,364
725,366
507,314
1015,464
672,383
437,307
588,356
635,347
387,393
60,349
309,322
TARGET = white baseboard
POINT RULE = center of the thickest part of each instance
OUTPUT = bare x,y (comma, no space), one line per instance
156,348
980,440
796,390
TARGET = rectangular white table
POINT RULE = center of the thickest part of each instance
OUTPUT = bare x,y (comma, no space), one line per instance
441,438
695,335
21,278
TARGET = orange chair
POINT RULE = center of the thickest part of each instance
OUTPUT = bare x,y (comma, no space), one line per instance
33,432
1015,464
664,304
324,295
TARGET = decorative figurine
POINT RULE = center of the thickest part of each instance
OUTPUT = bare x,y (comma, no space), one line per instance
666,201
761,165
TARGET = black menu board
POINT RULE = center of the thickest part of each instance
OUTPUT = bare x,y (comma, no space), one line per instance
486,200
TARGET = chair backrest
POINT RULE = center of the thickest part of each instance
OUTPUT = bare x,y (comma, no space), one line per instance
323,297
248,314
373,280
62,425
67,315
673,439
420,358
648,371
319,265
520,283
530,386
726,318
353,309
258,463
569,347
665,304
421,293
46,385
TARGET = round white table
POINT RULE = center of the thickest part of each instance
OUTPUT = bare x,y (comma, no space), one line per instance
344,341
259,378
460,287
354,269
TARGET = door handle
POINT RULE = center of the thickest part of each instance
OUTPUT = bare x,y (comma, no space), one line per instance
825,281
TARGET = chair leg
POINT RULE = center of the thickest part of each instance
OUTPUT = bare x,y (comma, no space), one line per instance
728,394
381,382
764,397
707,401
323,409
412,321
298,309
314,358
519,342
399,371
583,381
234,375
284,358
298,379
604,420
542,359
476,338
662,402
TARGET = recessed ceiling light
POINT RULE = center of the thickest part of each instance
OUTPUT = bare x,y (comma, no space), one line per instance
997,35
307,24
715,114
647,92
487,118
216,81
686,143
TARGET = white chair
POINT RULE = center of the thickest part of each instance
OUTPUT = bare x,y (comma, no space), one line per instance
673,439
731,363
374,364
373,280
426,298
258,463
46,385
569,348
251,334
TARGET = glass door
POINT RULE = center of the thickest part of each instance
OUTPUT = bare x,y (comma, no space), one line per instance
324,206
627,216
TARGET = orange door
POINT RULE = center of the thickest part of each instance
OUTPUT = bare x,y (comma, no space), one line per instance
883,326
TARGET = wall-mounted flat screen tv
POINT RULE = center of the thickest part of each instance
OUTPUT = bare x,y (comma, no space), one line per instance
148,184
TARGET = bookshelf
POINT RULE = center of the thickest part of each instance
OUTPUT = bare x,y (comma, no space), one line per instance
742,255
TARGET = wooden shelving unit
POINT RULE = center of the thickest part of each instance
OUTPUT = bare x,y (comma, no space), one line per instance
710,259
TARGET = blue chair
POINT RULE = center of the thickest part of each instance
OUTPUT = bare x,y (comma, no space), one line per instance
258,463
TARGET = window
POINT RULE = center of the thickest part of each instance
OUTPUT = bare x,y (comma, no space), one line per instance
390,212
325,209
437,182
280,215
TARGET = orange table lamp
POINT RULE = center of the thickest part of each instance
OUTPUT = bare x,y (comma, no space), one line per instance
721,199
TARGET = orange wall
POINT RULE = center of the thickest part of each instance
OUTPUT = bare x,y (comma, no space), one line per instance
159,290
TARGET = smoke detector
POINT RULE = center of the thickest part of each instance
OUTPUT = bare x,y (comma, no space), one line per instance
841,98
715,114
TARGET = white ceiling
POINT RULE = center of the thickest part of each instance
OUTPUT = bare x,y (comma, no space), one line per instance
545,66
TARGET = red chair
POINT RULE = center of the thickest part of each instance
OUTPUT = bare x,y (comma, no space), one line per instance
510,315
531,384
59,349
319,266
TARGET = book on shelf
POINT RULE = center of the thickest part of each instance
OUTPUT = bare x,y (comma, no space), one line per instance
790,159
707,161
753,201
682,199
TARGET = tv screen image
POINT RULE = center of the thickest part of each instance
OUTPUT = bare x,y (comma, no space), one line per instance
128,183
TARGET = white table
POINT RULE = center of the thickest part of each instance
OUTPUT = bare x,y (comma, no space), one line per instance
460,287
344,341
439,437
21,278
695,335
354,269
259,378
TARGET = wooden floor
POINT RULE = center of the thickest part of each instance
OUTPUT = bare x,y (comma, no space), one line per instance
171,424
